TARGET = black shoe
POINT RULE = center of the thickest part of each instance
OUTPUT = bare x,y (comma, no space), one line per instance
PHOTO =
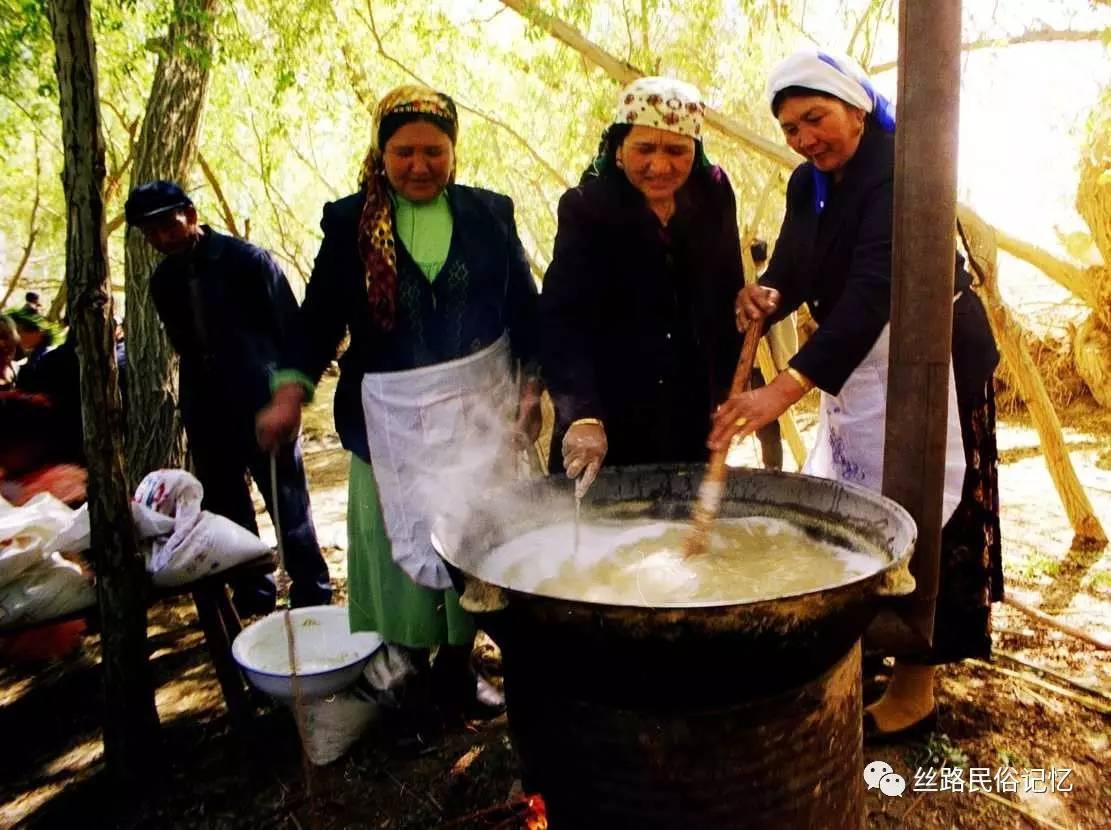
919,729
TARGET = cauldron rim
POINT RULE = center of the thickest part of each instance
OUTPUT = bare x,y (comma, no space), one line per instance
864,583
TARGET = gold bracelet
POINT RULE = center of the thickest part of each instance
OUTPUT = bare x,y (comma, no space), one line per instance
586,422
802,380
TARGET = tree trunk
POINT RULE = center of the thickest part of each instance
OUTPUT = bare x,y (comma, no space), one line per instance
1092,345
979,239
131,720
167,143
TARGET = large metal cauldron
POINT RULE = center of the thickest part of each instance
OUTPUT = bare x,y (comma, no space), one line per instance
722,715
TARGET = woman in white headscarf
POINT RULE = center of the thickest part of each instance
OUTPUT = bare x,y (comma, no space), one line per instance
834,253
638,340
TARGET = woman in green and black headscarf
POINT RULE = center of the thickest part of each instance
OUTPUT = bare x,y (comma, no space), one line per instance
430,280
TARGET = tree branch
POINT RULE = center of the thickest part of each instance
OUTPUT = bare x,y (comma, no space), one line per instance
355,74
286,252
858,28
35,122
32,233
114,223
555,174
1063,273
225,208
624,73
1044,35
1066,274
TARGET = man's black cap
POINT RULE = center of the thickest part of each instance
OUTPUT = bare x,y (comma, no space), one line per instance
153,199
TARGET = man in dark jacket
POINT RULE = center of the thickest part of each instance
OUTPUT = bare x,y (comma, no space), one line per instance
227,308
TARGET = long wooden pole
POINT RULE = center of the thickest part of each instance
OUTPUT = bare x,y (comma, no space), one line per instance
922,288
713,483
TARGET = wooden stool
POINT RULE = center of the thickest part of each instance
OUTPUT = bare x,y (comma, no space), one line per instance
219,622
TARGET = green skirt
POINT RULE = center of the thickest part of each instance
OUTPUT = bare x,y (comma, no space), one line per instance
380,596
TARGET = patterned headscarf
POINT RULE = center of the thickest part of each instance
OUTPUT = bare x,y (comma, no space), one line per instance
665,103
836,75
654,101
398,107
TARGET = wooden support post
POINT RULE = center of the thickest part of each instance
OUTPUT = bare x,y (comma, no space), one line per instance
922,290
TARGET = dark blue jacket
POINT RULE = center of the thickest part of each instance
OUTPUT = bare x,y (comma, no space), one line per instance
484,290
839,263
227,309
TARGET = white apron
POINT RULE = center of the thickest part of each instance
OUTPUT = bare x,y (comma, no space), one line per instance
437,436
849,444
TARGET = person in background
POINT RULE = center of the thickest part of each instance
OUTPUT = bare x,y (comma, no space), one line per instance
834,253
36,336
31,303
120,343
32,458
639,342
228,311
430,280
9,347
57,378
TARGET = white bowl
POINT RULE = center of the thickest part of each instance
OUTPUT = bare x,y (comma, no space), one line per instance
329,655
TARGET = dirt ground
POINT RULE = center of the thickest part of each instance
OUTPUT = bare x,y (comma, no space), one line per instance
208,775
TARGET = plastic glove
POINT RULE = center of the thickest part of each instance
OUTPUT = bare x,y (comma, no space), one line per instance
584,447
754,303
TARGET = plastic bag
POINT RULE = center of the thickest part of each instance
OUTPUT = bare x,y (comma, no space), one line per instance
212,544
51,589
333,724
26,533
76,536
201,543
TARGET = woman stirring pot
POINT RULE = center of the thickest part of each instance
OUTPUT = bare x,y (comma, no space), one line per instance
834,253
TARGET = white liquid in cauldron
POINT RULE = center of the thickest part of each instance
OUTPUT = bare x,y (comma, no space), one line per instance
641,562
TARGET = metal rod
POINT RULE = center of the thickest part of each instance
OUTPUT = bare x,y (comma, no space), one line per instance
291,649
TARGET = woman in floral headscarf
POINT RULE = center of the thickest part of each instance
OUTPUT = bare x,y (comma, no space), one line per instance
430,280
638,337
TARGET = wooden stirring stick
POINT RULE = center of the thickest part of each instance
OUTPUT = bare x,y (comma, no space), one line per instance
713,484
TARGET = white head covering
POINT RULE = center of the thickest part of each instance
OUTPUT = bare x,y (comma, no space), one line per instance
837,75
666,103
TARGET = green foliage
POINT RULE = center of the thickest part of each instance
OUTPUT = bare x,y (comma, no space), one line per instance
24,39
286,123
937,751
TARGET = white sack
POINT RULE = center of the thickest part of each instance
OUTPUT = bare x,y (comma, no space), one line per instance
26,531
212,544
52,588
